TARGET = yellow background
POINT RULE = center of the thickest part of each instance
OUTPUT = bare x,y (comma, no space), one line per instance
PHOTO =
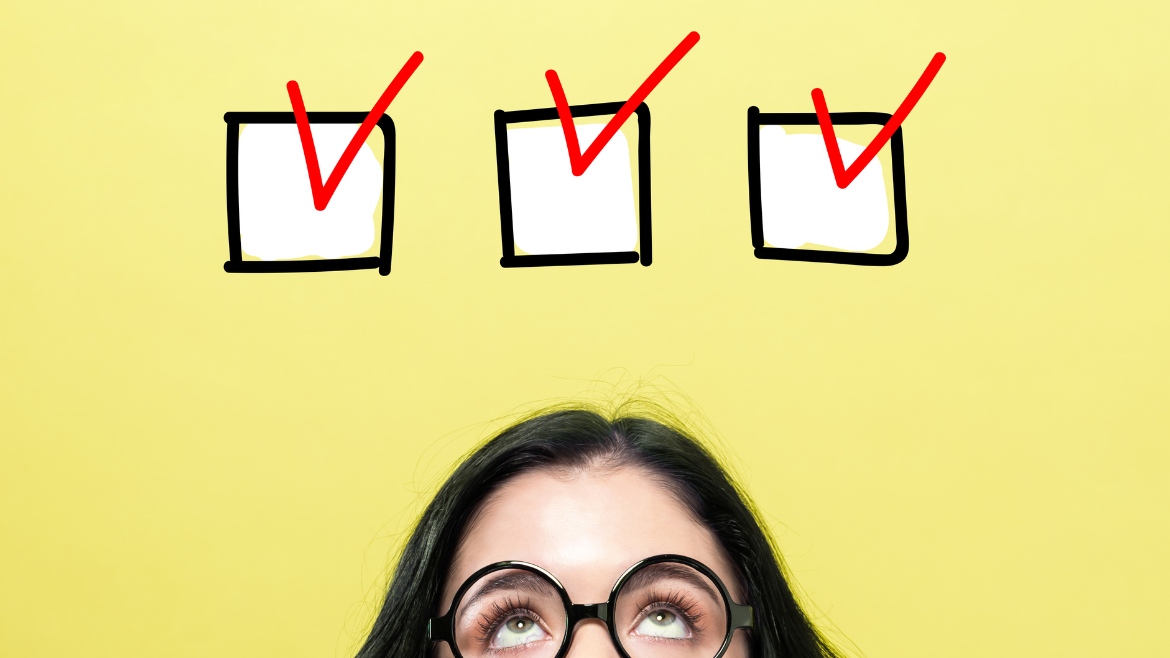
963,455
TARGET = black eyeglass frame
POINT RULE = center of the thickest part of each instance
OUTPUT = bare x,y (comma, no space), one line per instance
442,629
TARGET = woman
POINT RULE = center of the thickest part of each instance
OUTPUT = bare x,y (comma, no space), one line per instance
570,535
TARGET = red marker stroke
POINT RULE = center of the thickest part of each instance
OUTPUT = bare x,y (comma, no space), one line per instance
845,176
322,193
580,162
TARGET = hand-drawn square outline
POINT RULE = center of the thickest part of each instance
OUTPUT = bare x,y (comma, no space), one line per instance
755,119
510,259
236,263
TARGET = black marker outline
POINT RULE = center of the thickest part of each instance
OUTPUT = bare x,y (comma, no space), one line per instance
236,263
755,119
503,173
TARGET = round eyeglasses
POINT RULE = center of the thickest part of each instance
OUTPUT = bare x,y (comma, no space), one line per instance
666,606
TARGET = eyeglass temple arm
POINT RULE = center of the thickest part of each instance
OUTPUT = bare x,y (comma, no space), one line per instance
741,616
439,628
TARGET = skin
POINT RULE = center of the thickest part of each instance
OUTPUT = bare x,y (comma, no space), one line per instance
587,528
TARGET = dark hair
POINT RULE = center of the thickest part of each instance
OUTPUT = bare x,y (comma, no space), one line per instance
579,438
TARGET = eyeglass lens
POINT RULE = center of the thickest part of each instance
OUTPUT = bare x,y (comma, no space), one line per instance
664,610
513,609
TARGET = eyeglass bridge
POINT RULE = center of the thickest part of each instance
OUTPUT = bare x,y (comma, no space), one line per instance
581,611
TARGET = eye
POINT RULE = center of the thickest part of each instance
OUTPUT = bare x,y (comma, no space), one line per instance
518,630
662,622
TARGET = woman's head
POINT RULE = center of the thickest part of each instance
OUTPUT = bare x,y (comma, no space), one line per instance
585,497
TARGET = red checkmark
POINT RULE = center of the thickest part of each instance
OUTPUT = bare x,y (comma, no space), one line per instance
578,162
323,193
845,176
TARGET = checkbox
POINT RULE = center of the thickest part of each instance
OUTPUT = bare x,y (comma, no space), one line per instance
548,216
272,223
797,210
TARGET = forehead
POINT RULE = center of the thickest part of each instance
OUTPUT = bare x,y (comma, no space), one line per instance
585,528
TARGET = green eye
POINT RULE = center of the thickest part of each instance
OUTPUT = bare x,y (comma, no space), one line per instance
662,618
516,631
663,623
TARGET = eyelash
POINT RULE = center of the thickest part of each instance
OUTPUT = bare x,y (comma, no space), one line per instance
490,621
679,602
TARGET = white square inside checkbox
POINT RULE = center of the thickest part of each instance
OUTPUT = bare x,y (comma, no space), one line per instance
555,212
801,203
277,217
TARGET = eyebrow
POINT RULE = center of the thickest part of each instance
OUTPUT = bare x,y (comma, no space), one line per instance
667,570
522,581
